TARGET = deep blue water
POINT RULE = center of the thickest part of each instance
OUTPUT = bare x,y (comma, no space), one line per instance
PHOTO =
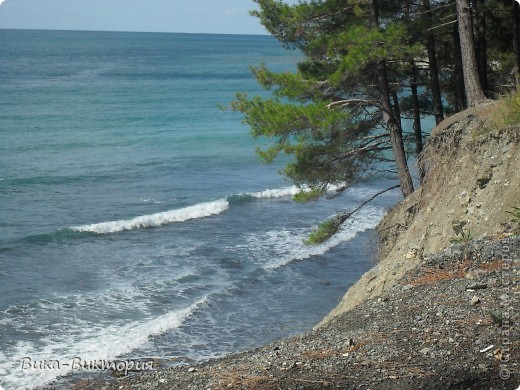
135,218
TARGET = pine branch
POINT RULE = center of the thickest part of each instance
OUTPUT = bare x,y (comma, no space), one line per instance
331,226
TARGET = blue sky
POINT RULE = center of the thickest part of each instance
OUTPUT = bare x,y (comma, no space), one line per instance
194,16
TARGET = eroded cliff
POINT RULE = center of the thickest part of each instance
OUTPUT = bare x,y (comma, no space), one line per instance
472,182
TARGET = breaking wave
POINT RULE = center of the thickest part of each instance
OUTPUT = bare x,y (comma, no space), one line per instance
197,211
200,210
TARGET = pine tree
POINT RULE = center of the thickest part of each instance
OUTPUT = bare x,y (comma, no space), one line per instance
342,76
339,115
472,85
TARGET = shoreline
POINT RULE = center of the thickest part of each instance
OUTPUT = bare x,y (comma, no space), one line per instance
430,314
434,329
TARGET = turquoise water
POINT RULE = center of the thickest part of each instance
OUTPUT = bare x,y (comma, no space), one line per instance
135,218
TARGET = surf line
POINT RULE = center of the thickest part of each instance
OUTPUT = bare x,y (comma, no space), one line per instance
197,211
200,210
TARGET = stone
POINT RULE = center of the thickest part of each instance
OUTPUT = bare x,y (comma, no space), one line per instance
483,180
475,300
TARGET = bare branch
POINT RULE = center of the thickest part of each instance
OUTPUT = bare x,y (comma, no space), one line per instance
377,147
441,25
373,137
361,102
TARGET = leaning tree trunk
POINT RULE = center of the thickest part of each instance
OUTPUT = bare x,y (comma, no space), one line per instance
435,84
472,86
392,123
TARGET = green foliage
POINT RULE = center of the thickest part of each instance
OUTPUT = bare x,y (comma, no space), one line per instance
301,25
328,146
464,235
334,115
309,196
361,47
330,141
285,85
324,231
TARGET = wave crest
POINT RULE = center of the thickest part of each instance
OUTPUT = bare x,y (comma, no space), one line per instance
200,210
197,211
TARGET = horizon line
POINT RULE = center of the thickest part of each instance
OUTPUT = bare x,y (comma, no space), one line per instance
133,31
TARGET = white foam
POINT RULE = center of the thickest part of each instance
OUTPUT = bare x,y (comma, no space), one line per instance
276,193
200,210
89,343
290,245
293,190
122,340
152,201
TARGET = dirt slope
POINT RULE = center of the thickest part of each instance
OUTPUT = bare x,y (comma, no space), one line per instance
472,180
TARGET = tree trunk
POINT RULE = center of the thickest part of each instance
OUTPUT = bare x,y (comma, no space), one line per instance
417,129
516,41
480,30
460,93
394,130
472,86
397,109
435,84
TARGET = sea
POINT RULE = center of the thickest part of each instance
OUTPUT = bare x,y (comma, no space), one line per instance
136,220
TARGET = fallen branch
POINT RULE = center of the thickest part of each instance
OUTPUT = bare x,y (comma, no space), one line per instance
343,217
